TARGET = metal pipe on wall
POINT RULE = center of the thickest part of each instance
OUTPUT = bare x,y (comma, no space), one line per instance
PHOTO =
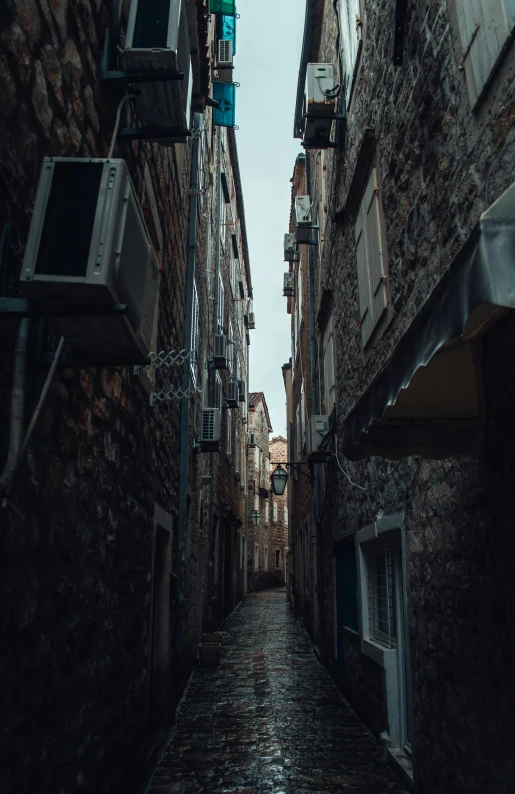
185,402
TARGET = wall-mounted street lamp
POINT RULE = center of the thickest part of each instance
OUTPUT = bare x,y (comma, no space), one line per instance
256,517
279,478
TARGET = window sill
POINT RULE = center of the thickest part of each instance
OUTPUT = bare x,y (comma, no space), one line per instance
397,758
385,657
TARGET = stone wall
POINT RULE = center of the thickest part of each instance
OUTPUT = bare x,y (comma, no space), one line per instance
278,507
440,165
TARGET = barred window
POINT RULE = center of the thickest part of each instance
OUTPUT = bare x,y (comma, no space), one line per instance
381,596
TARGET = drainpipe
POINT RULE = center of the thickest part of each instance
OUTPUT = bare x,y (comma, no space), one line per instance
185,402
245,539
216,300
314,408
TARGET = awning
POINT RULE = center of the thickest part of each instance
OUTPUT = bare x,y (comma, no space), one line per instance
428,398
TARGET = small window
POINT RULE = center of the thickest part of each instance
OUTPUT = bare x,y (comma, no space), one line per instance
285,516
256,502
266,559
223,214
275,512
256,557
351,28
221,305
485,30
277,558
371,259
267,511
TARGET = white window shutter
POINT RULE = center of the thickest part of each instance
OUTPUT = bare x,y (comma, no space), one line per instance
351,37
484,31
328,347
375,254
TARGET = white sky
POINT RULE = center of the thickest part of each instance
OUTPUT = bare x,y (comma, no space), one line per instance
268,44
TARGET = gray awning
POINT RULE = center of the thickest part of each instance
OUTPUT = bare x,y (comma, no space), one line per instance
428,398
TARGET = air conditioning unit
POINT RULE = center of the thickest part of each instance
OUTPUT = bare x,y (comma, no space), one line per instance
220,357
225,60
290,248
89,248
303,219
320,89
316,431
157,38
252,440
233,395
289,285
210,430
252,320
241,391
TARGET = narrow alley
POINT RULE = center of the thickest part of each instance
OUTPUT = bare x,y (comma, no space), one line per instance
269,718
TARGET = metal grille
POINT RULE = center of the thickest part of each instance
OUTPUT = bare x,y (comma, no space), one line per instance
381,597
69,219
151,28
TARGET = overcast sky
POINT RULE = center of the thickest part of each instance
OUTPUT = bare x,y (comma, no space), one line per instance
268,45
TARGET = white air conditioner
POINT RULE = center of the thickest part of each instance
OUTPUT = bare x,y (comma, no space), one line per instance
210,430
303,219
288,285
220,354
252,440
320,89
252,320
157,38
89,248
316,430
233,395
241,391
290,249
225,61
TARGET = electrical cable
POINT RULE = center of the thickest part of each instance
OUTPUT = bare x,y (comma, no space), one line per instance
362,487
121,103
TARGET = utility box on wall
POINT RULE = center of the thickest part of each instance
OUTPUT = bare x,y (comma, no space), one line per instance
88,248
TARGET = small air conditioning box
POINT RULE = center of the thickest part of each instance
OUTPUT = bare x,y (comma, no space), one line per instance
288,288
88,248
225,60
316,431
157,38
233,395
220,354
303,219
210,430
320,90
290,249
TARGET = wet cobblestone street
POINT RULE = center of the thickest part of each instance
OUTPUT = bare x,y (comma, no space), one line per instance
269,718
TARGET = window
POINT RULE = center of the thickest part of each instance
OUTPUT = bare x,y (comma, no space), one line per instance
351,27
328,356
256,557
381,597
217,390
256,457
194,336
235,277
485,31
285,516
266,559
299,298
298,432
232,348
223,213
371,259
275,512
221,304
277,558
256,502
267,511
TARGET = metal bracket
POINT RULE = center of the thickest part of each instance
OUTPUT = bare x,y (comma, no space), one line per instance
153,133
323,143
34,308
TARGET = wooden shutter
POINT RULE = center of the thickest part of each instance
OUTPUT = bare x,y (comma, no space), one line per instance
371,259
375,255
329,367
485,28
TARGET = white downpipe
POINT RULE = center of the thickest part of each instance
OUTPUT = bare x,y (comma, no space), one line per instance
17,403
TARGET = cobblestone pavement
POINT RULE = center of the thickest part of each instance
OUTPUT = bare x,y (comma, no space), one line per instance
269,718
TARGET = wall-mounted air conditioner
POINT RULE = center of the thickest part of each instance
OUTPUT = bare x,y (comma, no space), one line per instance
252,320
233,395
88,248
241,391
225,61
210,430
157,38
220,357
252,440
316,431
303,219
288,285
319,103
290,248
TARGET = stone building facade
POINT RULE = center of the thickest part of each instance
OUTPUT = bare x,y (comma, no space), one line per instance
410,522
120,536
